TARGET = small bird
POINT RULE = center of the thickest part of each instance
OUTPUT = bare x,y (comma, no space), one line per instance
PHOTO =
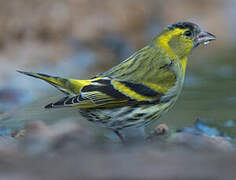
140,89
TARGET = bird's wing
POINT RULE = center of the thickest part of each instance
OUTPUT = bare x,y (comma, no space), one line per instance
106,92
140,79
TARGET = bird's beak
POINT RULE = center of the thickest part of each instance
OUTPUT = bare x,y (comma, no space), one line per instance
203,37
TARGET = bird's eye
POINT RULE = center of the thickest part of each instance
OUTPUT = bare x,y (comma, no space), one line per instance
188,33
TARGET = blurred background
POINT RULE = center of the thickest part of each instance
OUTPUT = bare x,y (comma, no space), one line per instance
80,38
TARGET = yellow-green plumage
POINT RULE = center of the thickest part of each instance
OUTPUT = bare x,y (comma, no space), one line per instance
139,89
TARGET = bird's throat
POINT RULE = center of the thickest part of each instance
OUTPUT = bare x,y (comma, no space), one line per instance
184,64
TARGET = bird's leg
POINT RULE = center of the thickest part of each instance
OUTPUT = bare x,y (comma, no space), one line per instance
119,135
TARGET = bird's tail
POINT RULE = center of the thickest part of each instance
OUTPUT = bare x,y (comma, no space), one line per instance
67,86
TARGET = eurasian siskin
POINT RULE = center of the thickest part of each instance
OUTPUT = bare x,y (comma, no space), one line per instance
140,89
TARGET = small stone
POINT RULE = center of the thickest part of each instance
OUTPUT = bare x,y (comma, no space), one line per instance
17,134
161,129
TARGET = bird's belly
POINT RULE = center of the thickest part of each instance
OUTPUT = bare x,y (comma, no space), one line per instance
127,116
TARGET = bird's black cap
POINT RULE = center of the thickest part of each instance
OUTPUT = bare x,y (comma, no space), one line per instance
184,25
